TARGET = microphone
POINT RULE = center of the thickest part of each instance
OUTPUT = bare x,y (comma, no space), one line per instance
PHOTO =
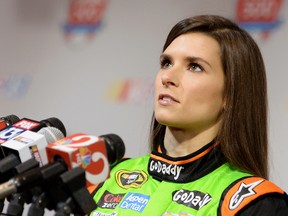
53,122
21,149
76,198
31,144
24,147
31,125
78,150
8,120
94,154
17,153
115,148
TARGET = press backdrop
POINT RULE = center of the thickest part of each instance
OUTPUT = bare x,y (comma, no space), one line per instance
92,65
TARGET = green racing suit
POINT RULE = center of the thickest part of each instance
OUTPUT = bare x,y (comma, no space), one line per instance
202,183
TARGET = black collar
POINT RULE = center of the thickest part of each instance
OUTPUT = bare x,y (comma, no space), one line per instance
188,168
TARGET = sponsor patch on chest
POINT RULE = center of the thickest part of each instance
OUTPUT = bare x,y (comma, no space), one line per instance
173,171
192,199
109,200
135,201
131,179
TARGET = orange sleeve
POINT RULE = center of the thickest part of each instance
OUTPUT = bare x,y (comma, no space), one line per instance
244,192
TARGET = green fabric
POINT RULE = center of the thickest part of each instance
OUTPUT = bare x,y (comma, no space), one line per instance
156,198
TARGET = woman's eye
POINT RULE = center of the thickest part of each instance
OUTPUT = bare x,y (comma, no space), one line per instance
195,67
165,63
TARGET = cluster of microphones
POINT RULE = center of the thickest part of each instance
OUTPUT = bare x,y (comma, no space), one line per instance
43,168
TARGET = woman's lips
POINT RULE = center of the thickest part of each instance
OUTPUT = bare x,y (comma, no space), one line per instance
165,99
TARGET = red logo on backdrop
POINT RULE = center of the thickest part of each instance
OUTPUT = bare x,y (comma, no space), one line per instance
84,18
259,15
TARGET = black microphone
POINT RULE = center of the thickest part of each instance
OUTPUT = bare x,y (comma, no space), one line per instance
8,120
115,148
52,122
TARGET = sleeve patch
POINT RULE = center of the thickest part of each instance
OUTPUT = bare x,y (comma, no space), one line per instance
244,192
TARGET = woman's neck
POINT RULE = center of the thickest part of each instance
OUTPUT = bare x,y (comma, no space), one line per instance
179,143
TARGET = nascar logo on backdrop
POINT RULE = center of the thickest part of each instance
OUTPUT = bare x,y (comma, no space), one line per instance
260,17
84,19
130,90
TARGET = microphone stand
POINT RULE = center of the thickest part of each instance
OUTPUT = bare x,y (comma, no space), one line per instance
79,201
65,208
16,205
7,165
17,200
50,189
38,205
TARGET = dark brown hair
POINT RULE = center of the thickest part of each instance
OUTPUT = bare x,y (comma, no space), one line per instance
243,134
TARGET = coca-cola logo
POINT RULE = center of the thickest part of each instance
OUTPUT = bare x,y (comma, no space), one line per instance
109,200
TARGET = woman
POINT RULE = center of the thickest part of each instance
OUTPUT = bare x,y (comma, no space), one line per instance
209,132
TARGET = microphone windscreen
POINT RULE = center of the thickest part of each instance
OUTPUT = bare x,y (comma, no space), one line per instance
52,134
12,119
55,122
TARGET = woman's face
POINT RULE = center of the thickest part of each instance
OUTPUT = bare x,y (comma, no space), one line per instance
189,87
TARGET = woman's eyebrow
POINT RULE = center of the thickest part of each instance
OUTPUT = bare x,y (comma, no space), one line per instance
188,59
163,56
197,59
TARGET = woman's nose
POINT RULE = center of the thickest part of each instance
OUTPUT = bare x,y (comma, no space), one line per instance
170,77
